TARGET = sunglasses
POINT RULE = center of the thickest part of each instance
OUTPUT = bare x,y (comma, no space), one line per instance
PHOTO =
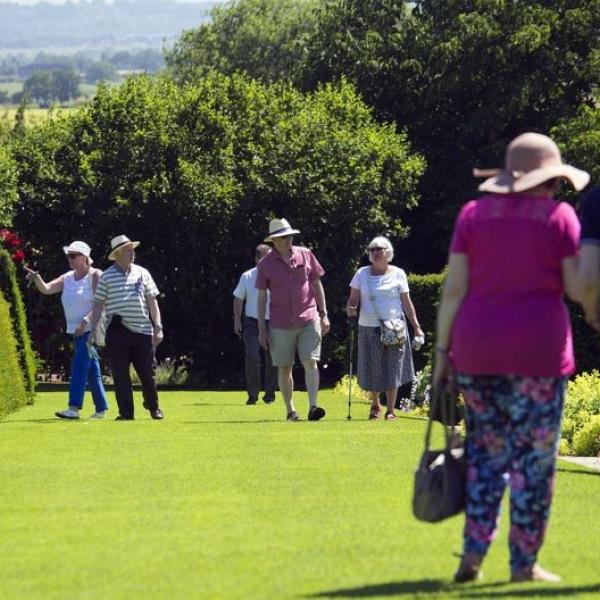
72,256
375,249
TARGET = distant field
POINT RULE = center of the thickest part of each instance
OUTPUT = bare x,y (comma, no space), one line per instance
11,87
33,116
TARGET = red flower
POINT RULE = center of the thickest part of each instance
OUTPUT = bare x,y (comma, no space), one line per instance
18,256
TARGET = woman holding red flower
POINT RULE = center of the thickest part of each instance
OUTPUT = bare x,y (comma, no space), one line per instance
77,288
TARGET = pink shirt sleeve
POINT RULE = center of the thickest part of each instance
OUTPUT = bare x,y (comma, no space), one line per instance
568,230
315,271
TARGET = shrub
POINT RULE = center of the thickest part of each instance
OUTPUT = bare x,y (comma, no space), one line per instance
586,442
582,405
425,292
195,174
12,388
12,294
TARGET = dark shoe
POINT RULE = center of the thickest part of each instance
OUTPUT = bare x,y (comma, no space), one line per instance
157,414
268,399
316,413
120,418
469,568
251,401
293,416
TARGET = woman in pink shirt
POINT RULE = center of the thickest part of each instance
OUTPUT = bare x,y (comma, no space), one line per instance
505,330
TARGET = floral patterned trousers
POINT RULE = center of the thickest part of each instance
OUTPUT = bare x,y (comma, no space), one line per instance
513,430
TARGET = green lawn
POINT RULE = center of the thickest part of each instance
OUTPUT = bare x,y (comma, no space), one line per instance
221,500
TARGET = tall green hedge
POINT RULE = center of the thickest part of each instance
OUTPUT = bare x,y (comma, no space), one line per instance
425,291
195,174
12,294
13,394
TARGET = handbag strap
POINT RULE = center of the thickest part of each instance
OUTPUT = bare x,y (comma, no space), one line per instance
372,296
448,412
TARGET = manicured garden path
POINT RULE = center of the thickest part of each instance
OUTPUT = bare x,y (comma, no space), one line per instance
222,500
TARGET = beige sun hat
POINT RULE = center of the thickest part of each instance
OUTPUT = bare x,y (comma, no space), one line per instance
120,242
279,228
531,159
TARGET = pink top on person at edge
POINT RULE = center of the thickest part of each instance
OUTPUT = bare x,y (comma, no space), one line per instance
293,303
513,319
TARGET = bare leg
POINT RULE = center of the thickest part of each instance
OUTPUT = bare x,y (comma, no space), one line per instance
286,386
311,377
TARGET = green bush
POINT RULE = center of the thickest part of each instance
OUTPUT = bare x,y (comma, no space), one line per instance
425,292
12,293
586,442
12,388
195,174
582,405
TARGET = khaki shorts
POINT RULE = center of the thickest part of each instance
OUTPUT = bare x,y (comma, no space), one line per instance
284,343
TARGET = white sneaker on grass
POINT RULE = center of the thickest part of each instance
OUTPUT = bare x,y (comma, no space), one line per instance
98,415
69,413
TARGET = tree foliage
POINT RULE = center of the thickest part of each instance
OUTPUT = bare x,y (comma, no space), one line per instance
195,174
463,77
258,37
46,87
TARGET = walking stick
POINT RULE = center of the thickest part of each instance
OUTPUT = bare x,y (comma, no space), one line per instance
351,320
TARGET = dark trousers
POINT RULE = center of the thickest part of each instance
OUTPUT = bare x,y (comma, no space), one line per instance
252,363
125,348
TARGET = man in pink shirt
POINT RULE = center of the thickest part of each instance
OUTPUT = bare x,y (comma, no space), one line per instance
298,313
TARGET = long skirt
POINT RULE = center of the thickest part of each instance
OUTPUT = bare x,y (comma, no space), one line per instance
382,367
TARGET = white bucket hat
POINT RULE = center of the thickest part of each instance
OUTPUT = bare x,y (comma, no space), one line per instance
79,248
120,242
531,159
279,228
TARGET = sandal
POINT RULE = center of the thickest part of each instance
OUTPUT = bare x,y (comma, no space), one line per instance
374,413
293,416
534,573
390,416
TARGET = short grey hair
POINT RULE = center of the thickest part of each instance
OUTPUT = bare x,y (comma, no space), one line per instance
382,242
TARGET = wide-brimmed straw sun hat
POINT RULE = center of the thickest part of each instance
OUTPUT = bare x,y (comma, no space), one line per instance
531,159
79,247
279,228
120,242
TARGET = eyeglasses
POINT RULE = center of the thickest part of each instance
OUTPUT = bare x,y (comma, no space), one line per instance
375,249
73,256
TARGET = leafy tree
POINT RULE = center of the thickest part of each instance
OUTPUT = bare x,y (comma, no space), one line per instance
46,87
8,186
463,77
259,37
101,71
195,173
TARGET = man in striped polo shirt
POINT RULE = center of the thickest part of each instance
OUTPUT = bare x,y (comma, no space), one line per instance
129,295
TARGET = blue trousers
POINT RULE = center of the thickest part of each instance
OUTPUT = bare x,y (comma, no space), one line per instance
86,370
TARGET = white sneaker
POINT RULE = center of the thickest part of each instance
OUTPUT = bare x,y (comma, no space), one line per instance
69,413
98,415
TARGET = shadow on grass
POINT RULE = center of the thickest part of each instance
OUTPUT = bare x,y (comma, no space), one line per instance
394,588
213,405
439,586
582,471
510,590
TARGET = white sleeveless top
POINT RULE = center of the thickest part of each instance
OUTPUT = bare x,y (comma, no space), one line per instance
77,299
